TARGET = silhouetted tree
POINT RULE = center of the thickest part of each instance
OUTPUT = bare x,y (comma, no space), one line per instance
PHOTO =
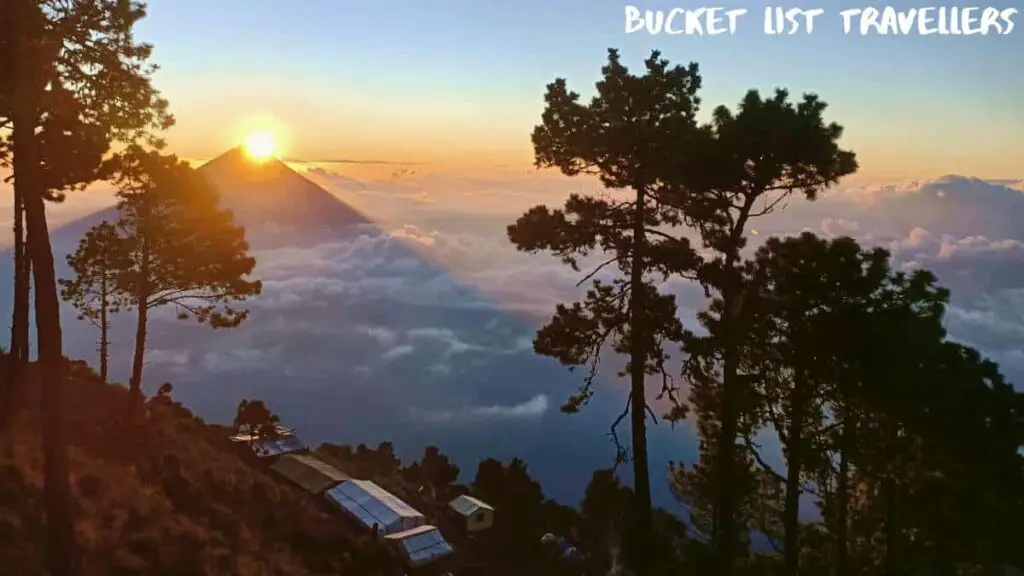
385,459
752,161
341,453
514,540
437,472
183,249
796,289
50,50
891,323
966,486
604,517
165,391
70,150
931,451
254,418
97,263
624,136
846,362
363,454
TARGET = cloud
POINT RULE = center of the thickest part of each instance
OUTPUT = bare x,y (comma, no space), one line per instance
385,336
398,352
440,368
334,179
434,268
533,408
174,359
447,337
966,230
349,161
833,227
239,359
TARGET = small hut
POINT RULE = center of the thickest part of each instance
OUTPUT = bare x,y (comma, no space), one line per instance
476,514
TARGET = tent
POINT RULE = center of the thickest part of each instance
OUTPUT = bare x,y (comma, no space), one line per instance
421,545
374,506
308,472
283,445
286,442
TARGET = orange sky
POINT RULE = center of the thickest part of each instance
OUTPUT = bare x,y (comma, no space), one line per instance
315,128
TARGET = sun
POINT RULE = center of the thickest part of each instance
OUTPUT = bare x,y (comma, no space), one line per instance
260,146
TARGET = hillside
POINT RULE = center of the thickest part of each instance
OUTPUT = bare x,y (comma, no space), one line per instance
171,498
177,497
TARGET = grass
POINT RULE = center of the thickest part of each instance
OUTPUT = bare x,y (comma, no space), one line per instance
170,496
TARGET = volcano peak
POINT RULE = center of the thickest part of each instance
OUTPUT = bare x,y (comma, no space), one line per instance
269,192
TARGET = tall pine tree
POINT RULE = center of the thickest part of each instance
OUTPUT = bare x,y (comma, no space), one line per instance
753,160
97,263
182,248
51,50
624,136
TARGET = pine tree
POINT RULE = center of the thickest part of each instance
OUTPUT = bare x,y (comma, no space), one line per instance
752,160
49,50
97,263
182,248
796,288
624,136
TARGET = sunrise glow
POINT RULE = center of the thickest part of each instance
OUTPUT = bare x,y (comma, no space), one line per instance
260,146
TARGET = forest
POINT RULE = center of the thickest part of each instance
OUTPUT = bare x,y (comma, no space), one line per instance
901,449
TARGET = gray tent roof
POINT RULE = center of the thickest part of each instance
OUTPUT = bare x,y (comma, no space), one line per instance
467,505
309,472
422,544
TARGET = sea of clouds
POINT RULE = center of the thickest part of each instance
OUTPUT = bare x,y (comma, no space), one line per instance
418,329
965,229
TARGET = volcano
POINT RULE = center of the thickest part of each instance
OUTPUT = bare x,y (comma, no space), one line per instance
268,197
276,205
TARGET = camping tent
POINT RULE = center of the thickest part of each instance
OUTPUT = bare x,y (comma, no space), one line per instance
279,446
308,472
374,506
284,442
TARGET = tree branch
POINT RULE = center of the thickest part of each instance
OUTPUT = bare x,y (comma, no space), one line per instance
669,389
769,207
621,454
596,270
754,451
177,296
660,234
649,410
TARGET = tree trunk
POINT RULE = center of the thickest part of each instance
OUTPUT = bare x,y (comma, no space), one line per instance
892,561
135,384
60,548
104,296
891,558
19,355
638,399
843,500
794,465
725,538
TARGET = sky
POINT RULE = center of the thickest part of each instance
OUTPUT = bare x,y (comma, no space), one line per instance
461,82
